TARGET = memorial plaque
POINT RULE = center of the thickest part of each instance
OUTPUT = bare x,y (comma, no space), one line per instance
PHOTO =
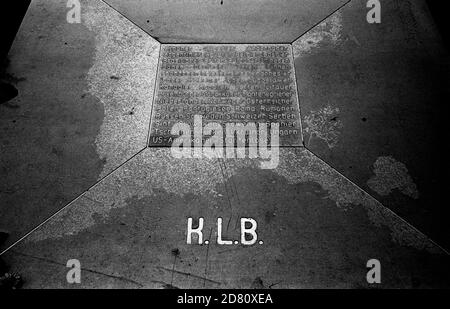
226,84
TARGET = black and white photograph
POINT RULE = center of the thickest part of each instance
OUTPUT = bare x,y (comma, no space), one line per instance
224,149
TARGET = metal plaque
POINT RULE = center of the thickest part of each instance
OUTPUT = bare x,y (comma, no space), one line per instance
247,84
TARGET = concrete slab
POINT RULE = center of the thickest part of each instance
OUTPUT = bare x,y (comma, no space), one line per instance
373,104
318,229
226,21
47,274
85,95
81,122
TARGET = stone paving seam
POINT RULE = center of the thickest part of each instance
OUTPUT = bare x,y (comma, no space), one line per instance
49,261
321,21
298,97
154,96
228,43
136,25
372,197
69,204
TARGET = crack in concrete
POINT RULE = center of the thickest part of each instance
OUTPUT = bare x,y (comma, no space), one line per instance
189,275
83,269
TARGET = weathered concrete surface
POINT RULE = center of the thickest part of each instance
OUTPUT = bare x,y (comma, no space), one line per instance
368,95
318,229
47,274
373,103
85,94
226,21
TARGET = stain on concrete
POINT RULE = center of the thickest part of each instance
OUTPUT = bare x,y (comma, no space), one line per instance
48,155
324,124
304,166
145,242
155,170
392,175
392,76
329,31
122,75
311,243
150,171
73,122
258,284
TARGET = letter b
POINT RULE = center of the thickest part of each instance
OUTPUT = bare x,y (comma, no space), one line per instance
248,231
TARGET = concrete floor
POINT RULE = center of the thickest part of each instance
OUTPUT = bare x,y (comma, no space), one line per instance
367,184
373,102
226,21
